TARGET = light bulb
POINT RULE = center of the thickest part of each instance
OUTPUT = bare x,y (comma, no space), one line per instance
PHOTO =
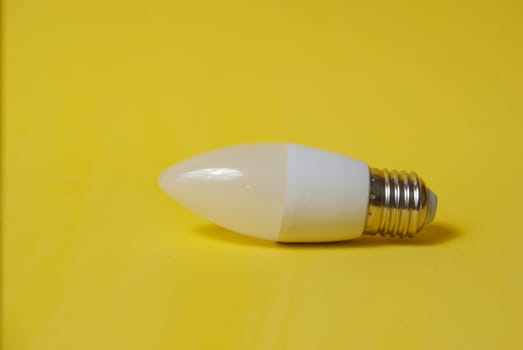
294,193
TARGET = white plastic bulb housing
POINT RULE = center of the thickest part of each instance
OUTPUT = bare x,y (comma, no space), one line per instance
277,191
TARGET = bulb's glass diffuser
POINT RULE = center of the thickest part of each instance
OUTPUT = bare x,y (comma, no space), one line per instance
241,188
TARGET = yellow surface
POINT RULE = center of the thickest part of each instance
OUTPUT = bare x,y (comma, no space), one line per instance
99,96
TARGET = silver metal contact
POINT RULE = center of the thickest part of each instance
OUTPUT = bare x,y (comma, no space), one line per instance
400,204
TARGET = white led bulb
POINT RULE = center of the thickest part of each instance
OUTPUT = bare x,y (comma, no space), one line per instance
294,193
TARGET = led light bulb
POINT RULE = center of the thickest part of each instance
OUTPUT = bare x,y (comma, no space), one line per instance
294,193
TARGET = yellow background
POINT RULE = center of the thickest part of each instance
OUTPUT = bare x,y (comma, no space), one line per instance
100,96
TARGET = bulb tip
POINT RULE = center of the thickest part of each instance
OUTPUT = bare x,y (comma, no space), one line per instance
169,180
432,204
163,179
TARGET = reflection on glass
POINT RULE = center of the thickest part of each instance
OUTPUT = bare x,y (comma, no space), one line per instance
213,174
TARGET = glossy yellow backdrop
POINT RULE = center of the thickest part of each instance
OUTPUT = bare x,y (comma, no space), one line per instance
100,96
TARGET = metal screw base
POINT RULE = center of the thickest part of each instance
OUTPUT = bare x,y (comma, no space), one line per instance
400,204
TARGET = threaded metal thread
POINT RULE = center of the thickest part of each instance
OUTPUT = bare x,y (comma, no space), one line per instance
400,203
